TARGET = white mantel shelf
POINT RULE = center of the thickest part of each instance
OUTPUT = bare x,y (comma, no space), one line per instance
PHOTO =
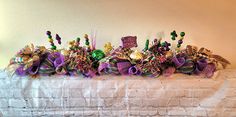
178,95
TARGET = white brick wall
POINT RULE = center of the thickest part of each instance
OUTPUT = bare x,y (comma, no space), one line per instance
179,95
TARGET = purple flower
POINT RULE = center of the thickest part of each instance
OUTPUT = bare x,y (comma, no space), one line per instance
178,61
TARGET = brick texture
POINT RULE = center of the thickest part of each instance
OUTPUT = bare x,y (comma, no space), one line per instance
106,96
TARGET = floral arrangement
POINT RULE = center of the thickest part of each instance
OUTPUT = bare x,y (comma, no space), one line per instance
157,58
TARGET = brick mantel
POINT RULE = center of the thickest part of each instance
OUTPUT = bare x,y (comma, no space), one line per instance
178,95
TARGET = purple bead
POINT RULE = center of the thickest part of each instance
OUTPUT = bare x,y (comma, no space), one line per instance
58,37
180,41
167,49
59,42
162,49
168,44
48,33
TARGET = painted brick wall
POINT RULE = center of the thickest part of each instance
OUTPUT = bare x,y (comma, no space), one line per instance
179,95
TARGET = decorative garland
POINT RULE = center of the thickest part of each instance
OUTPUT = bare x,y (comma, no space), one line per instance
155,59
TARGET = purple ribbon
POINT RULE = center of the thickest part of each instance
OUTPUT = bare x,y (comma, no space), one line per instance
103,67
209,70
52,56
59,61
90,74
73,73
169,71
34,68
61,70
134,71
178,61
56,58
20,71
123,67
200,65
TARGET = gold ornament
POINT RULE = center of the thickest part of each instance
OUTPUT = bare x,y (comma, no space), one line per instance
108,47
136,55
65,52
169,54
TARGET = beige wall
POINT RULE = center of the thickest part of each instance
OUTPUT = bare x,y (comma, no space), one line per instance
211,24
